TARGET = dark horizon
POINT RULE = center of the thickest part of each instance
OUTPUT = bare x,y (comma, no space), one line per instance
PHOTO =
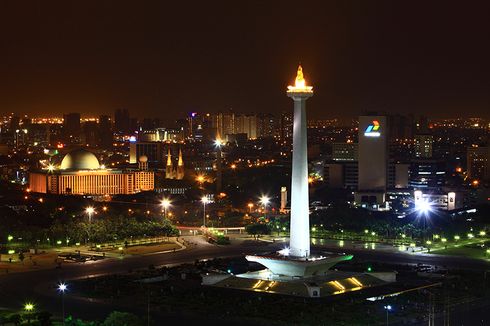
159,60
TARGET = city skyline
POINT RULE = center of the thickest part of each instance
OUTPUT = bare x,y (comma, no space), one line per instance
159,163
94,59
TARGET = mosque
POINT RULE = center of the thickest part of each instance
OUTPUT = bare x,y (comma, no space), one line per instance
80,173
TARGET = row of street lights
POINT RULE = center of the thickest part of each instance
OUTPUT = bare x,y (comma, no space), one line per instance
62,288
166,203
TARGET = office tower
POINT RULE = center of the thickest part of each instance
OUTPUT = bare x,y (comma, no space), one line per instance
246,124
373,156
423,145
91,133
224,123
478,163
286,125
345,151
14,123
122,121
266,125
105,132
427,174
72,128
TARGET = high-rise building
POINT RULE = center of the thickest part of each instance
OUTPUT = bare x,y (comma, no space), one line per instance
152,150
72,128
422,125
478,163
105,132
91,133
161,134
150,124
423,145
39,134
401,127
373,160
427,174
345,151
189,125
224,123
122,121
14,123
246,124
266,125
373,156
133,125
20,137
55,134
286,125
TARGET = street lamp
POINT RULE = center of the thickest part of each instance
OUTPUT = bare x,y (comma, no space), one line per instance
29,307
204,201
62,287
165,204
264,201
90,210
218,142
388,309
200,179
423,208
250,206
219,178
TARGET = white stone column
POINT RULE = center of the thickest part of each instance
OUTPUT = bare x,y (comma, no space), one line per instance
300,221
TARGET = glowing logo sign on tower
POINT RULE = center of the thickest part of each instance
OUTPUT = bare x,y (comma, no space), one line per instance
373,129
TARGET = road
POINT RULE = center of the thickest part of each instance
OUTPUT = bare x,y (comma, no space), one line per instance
39,286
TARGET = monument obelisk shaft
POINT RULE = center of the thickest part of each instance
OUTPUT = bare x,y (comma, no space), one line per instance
299,245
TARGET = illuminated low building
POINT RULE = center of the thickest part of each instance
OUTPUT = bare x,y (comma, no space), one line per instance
81,174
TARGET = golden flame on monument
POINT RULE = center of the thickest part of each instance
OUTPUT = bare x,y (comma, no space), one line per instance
300,83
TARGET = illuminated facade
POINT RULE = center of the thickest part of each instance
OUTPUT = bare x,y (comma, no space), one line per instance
300,219
478,163
170,171
297,260
81,174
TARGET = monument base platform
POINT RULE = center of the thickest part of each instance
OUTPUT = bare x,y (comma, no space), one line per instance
285,265
334,283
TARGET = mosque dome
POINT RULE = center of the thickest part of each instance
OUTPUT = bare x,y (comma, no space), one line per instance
80,159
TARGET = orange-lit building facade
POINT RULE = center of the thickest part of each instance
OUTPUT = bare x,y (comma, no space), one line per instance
80,174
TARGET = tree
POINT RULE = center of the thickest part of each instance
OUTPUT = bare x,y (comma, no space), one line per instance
257,229
117,318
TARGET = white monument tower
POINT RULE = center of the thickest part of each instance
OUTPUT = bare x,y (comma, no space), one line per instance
299,245
297,260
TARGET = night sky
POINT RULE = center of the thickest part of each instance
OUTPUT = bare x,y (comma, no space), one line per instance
162,60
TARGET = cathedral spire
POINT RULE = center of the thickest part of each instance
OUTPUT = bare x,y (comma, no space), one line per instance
169,158
169,170
180,167
181,161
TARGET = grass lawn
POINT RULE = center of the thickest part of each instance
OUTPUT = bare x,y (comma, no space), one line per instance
462,251
150,248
